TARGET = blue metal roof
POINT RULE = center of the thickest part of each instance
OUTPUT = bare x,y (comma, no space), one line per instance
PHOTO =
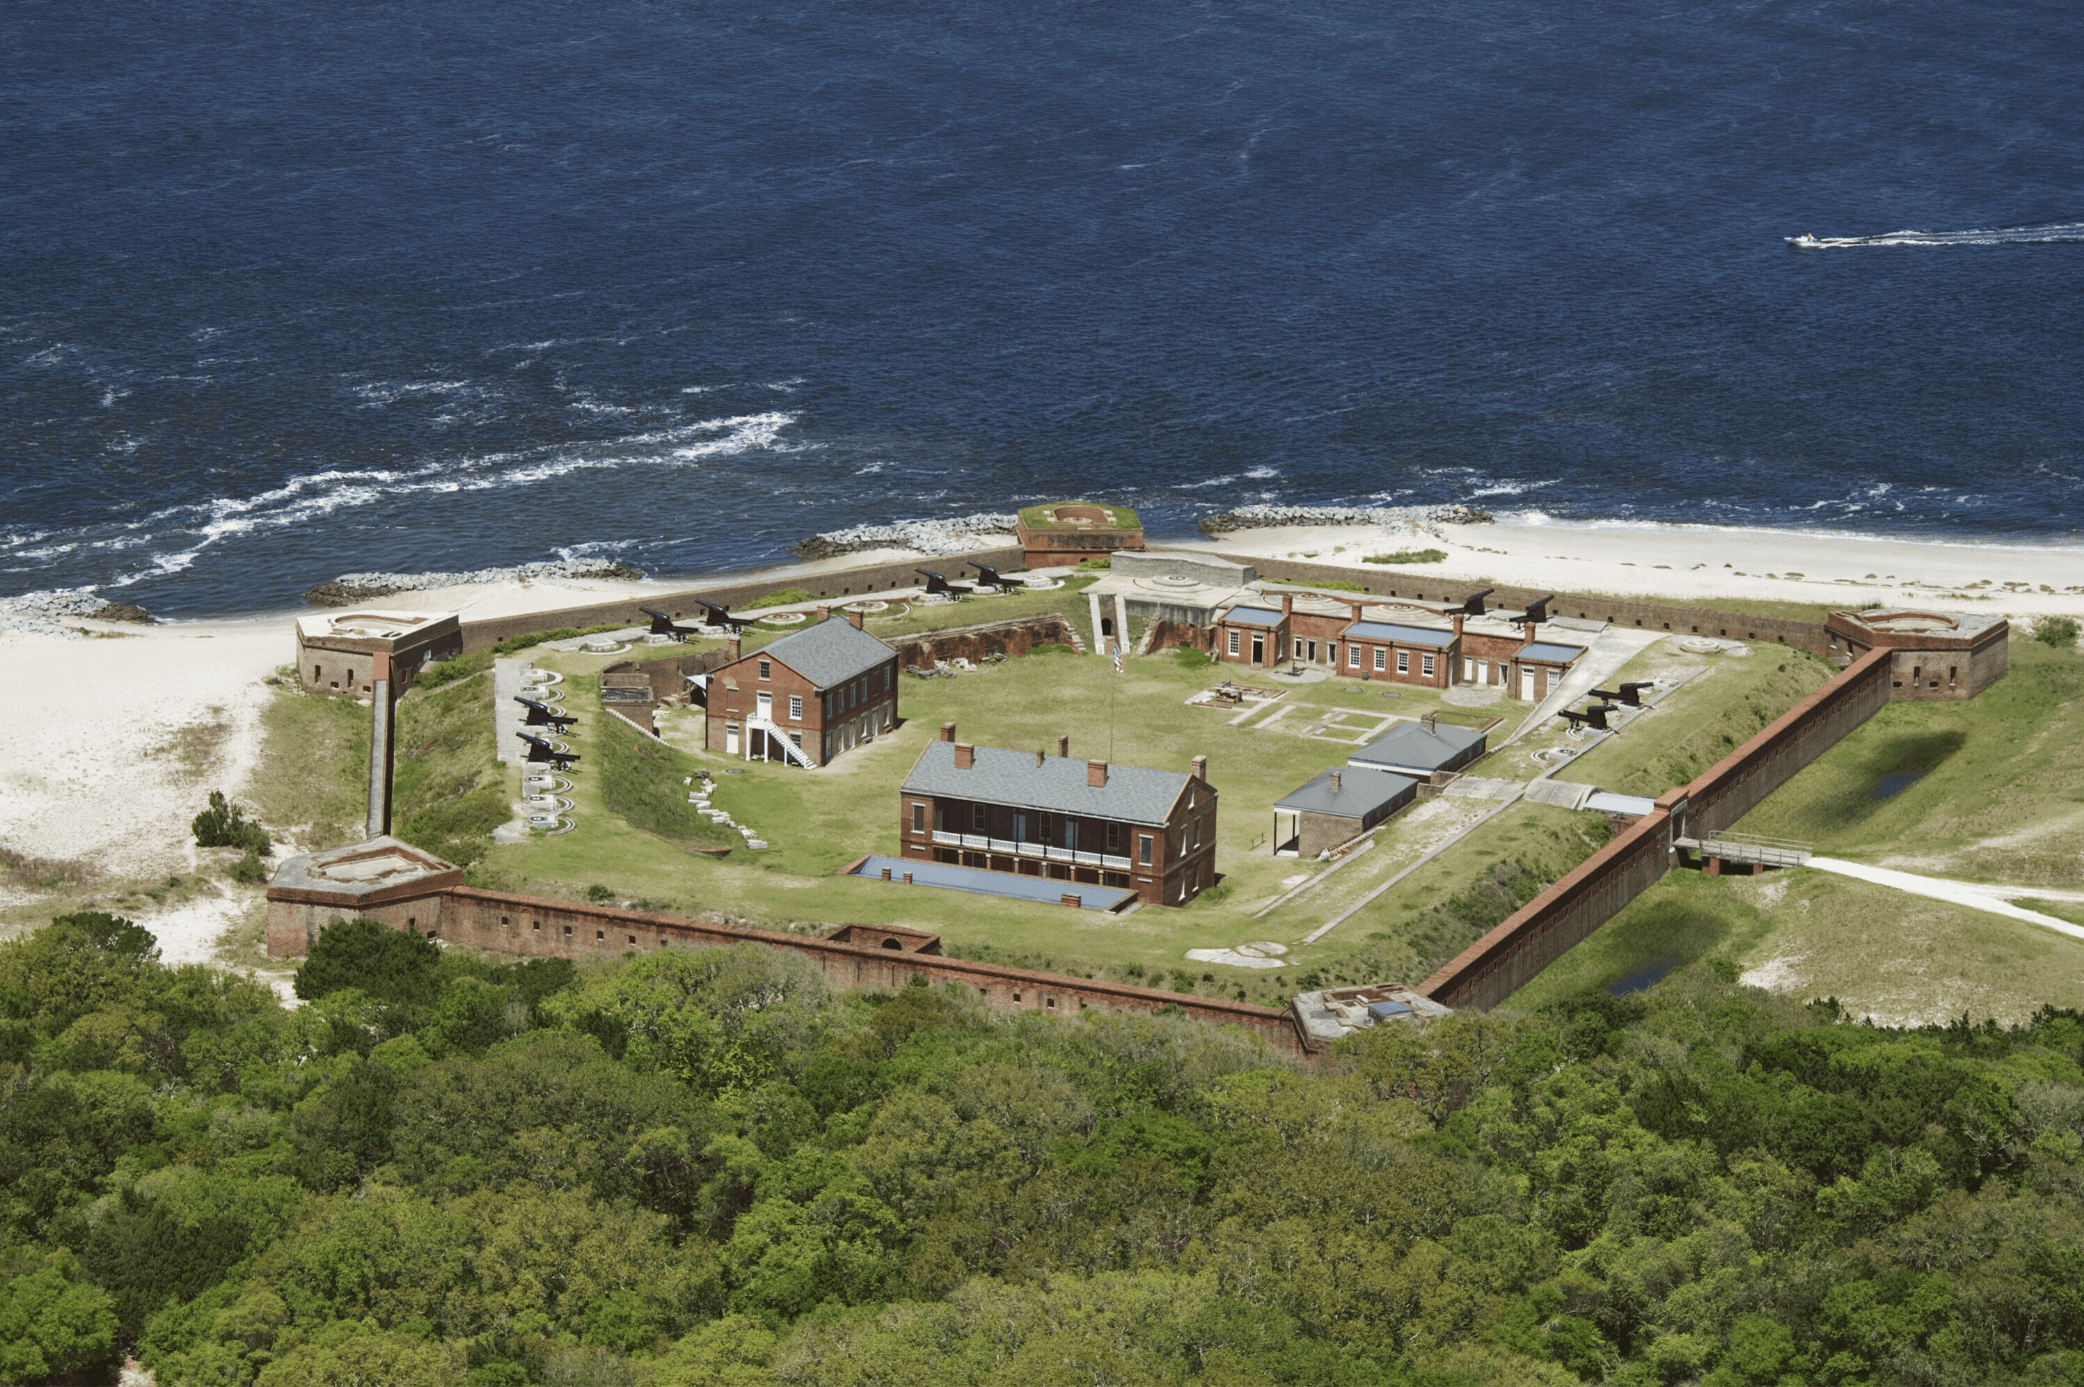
1041,890
1399,635
1253,616
1544,650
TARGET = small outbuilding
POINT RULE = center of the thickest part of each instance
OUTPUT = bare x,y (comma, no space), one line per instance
1336,806
1421,749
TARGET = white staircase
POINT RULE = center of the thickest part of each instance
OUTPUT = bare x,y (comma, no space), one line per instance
776,738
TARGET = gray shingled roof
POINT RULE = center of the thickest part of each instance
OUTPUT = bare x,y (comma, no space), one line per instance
1133,794
829,653
1361,792
1397,634
1409,744
1253,616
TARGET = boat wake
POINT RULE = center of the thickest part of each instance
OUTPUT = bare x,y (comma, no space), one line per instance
2039,233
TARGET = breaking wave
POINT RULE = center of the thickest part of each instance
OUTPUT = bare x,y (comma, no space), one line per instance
183,532
2038,233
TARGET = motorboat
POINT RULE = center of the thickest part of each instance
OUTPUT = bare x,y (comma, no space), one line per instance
1806,241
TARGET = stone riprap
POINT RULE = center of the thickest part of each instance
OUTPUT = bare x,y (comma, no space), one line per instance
47,612
956,535
1259,517
351,589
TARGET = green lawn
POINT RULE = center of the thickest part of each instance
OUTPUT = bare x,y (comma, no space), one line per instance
1700,722
1118,517
1810,934
1991,789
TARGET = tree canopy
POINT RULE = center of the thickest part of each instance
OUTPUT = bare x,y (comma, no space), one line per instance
710,1167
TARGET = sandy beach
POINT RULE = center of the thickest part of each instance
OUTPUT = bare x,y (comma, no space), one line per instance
1704,564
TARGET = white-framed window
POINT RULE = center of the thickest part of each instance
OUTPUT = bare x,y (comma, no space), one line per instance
1381,657
1425,665
1352,656
1143,849
766,669
795,707
918,816
886,678
1403,662
1233,642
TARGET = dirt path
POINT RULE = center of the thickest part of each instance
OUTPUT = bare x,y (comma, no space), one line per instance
1974,895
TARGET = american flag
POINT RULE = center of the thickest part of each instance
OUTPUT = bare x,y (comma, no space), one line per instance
1117,659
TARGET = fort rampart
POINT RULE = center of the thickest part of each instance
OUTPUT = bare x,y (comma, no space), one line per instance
1504,960
843,583
852,956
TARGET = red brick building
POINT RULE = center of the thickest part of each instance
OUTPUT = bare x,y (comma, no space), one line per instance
1932,655
1486,651
1032,814
805,698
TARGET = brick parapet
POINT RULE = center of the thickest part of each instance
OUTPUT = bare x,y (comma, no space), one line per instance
484,633
532,925
1511,955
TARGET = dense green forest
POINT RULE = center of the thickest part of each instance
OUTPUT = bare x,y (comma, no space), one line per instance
708,1167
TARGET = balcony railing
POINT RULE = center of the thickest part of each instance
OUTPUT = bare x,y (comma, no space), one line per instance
947,840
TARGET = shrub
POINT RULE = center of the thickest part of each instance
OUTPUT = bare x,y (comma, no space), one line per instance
561,633
1187,657
1409,556
388,965
225,825
786,597
2057,631
248,869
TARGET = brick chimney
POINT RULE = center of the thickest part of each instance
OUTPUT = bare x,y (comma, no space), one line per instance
1039,758
1335,779
1530,625
1354,611
1201,768
965,756
824,614
1096,774
1287,605
947,731
1063,746
1428,721
854,616
734,647
1459,618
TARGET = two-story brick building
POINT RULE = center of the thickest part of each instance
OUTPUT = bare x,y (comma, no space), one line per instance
1032,814
805,698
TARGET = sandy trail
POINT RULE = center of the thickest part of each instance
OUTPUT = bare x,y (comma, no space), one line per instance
1973,895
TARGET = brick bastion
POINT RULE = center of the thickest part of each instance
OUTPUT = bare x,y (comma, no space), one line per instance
407,889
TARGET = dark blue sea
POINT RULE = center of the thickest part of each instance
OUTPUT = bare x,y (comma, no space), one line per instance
292,289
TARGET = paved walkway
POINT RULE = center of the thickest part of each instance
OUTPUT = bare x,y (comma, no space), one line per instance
1974,895
1604,657
507,715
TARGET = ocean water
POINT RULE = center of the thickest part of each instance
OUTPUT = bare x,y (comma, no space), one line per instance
293,289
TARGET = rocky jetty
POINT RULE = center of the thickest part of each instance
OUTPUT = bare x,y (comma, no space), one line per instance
957,535
352,589
1264,517
47,612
